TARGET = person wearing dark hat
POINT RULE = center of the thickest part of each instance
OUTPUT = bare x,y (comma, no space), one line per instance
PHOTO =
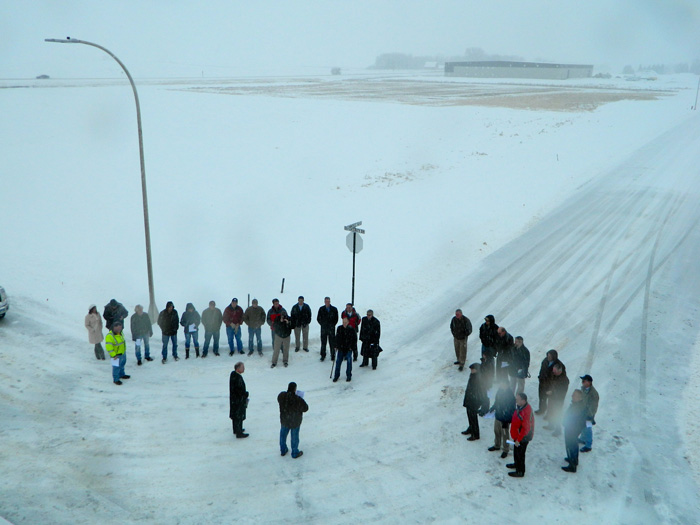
238,400
590,400
233,319
116,347
292,408
114,311
301,318
169,323
475,401
574,423
522,429
93,323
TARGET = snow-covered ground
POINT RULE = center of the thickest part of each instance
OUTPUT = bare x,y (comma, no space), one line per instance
577,230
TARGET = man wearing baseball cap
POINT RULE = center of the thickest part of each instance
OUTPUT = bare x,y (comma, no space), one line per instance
590,400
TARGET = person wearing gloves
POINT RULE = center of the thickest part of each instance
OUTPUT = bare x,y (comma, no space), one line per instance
190,320
116,348
93,323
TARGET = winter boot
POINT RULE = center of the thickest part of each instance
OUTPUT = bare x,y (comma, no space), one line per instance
196,351
187,353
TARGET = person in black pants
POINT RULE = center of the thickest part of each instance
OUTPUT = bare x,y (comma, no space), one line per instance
475,401
522,428
328,318
370,331
238,400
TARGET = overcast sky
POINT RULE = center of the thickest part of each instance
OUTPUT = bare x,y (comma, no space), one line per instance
221,37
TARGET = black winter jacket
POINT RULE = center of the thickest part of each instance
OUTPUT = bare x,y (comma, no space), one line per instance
475,397
292,408
327,318
504,405
141,325
301,316
461,328
346,339
238,396
370,330
114,311
169,322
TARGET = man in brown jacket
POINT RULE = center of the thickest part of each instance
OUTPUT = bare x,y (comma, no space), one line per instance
254,317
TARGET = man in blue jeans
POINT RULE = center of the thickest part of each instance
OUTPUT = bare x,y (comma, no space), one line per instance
346,343
292,408
169,323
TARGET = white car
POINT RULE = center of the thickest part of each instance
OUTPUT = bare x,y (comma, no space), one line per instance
4,303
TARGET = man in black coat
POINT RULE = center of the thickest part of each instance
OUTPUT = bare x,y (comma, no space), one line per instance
292,408
169,323
461,328
574,423
520,368
238,400
488,333
346,344
504,352
114,311
370,331
558,386
327,317
545,377
301,318
475,401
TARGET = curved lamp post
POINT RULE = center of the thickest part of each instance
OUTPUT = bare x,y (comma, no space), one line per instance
152,310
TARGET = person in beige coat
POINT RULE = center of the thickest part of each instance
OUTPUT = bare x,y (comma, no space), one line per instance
93,323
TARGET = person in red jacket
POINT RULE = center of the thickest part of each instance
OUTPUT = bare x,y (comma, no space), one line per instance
233,319
353,320
522,428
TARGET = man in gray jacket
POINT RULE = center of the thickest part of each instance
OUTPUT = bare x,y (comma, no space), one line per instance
590,400
212,318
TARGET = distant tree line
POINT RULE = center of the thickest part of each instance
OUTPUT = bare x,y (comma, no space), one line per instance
666,69
407,61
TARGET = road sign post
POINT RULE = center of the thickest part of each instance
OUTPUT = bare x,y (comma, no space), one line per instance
354,243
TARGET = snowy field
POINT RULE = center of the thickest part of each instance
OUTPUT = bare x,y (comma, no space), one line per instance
574,222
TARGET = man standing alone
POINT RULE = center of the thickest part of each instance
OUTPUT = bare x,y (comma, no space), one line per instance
292,408
238,400
461,328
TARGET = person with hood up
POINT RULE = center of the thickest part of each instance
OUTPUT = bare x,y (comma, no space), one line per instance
488,334
475,401
292,408
522,429
93,323
141,332
574,423
168,321
116,347
114,311
503,408
190,320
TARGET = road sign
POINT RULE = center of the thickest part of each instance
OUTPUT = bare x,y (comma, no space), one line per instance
354,227
349,241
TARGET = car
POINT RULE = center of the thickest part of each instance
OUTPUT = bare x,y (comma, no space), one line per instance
4,303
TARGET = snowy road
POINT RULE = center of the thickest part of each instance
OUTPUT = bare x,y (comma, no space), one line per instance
609,279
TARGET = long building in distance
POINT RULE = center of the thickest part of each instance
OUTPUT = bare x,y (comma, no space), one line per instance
504,69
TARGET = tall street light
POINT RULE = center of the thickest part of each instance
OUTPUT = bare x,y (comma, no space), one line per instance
152,310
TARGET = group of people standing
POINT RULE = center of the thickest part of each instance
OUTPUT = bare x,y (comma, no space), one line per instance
341,339
507,360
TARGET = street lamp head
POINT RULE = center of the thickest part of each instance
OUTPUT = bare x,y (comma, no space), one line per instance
66,40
